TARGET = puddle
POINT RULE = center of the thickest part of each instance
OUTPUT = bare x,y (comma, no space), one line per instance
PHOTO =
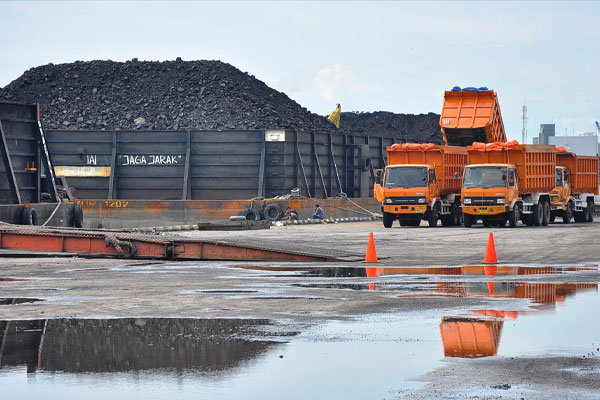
383,354
17,300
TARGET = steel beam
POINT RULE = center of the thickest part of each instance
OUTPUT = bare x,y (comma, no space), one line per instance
8,169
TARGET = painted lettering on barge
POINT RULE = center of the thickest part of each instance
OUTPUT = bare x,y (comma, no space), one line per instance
151,159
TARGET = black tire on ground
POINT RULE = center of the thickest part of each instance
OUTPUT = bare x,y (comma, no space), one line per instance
590,209
29,216
527,219
468,220
552,217
455,212
432,217
402,220
538,214
546,213
513,216
568,213
487,223
77,216
580,216
388,219
502,223
251,214
272,212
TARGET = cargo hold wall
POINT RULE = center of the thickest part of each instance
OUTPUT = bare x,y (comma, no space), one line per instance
213,165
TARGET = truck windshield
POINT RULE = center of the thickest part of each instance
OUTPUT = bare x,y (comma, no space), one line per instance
406,177
484,177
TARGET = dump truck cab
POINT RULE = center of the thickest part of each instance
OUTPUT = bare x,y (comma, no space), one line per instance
410,191
508,182
421,182
490,191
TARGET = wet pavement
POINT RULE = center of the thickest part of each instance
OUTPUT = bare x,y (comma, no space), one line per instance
298,330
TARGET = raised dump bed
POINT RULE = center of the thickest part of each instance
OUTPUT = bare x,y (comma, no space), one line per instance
583,171
447,160
535,163
471,115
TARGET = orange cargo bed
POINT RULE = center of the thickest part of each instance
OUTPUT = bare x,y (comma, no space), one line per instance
583,171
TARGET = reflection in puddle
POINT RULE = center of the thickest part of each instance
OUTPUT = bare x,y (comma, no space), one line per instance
131,344
470,337
16,300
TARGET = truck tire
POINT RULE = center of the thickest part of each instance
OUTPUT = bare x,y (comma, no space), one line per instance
468,220
552,217
272,212
487,223
580,216
513,216
546,211
455,210
527,219
590,210
432,218
568,213
29,216
538,214
402,220
446,220
413,222
388,219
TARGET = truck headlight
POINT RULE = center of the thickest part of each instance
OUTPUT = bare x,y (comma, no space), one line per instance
467,201
388,201
421,200
501,201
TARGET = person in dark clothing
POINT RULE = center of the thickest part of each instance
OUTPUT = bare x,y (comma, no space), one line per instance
319,214
290,215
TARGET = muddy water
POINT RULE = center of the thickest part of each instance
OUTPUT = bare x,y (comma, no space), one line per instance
373,357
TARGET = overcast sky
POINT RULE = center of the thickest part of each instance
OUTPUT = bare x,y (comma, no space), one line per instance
390,56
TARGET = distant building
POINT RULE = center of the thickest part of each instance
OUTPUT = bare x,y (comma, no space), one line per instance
546,131
583,145
535,140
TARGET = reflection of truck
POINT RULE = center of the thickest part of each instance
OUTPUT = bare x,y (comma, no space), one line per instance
508,181
471,115
421,181
470,337
576,185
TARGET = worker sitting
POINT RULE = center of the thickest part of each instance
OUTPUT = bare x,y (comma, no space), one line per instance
319,214
290,215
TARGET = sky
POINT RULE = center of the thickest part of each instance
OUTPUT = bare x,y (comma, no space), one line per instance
367,56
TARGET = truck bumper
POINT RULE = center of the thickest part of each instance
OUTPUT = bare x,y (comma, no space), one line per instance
482,211
400,209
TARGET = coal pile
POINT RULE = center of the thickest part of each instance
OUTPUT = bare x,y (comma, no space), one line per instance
409,127
158,95
196,95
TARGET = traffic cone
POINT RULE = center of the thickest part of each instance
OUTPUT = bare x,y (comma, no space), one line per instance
490,286
490,251
371,256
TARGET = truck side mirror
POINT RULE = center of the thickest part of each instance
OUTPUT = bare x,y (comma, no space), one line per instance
431,176
378,174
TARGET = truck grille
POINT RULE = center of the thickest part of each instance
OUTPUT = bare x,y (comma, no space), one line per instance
484,201
406,200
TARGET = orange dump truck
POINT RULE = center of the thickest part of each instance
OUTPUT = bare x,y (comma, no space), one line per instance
421,181
575,187
471,115
508,182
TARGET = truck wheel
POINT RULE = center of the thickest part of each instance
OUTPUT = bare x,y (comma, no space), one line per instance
538,214
513,216
433,217
590,210
446,220
552,217
527,219
502,223
455,211
568,213
468,220
415,222
546,215
402,219
487,223
388,219
580,216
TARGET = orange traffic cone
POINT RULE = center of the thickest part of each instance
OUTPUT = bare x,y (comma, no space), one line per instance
490,286
490,251
371,256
